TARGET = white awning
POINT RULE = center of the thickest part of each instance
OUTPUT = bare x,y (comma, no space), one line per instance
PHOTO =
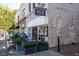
37,21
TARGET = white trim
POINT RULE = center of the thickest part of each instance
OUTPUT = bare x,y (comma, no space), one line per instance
37,21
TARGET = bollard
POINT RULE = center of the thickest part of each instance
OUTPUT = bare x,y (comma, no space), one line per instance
58,44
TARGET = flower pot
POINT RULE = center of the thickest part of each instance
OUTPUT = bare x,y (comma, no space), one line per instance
42,47
30,50
19,48
34,49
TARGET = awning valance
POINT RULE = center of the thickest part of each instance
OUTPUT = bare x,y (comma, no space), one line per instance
37,21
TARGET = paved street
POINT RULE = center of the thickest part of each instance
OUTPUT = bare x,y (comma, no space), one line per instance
3,50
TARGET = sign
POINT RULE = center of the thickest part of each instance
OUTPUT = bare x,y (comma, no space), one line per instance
40,11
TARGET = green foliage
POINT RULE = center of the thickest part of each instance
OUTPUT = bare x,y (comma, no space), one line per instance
30,44
34,43
18,41
6,18
42,43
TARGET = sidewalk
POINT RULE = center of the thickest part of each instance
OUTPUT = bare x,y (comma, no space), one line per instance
69,50
46,53
42,53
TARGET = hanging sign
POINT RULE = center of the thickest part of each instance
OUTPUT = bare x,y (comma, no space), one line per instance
40,11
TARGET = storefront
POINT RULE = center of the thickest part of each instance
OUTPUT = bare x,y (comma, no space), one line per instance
38,24
38,29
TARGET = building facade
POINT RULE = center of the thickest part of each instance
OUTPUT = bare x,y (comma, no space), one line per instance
60,20
63,22
20,17
35,26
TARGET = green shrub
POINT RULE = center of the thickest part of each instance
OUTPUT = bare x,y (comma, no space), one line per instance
18,41
42,43
30,44
34,43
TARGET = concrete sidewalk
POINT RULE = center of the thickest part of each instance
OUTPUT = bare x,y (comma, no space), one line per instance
46,53
42,53
68,50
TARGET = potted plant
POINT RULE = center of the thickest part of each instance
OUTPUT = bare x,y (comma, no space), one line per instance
18,44
30,47
42,46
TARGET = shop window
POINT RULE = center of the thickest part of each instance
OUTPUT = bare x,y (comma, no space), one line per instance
41,33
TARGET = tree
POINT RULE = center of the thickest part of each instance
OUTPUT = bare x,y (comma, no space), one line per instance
6,18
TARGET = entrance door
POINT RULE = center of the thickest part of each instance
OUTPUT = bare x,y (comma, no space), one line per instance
34,33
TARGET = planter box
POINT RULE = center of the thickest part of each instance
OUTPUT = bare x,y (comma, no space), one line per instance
19,48
30,50
42,48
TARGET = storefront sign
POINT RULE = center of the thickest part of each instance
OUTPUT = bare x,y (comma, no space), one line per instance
40,11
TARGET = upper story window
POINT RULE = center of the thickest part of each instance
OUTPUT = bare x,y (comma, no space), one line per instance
23,12
29,7
33,5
